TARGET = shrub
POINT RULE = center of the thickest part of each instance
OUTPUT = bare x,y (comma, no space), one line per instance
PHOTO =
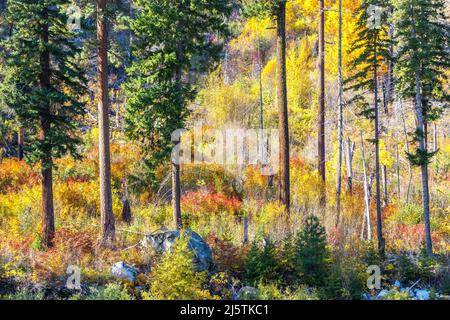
346,279
15,174
112,291
203,202
274,292
312,253
24,294
395,294
270,216
226,255
174,277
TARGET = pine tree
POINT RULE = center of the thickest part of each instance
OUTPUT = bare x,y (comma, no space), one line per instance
43,85
277,10
171,38
373,44
423,42
261,265
311,252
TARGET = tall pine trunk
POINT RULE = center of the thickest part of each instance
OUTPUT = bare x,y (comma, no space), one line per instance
421,129
340,122
321,116
176,180
107,217
48,216
381,244
283,125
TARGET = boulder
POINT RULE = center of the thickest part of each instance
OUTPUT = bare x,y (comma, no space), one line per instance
246,293
124,271
163,241
422,294
382,294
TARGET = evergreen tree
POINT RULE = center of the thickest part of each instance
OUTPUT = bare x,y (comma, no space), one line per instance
261,265
373,44
423,58
311,252
171,39
43,85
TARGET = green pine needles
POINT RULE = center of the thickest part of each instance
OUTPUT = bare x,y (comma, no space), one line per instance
172,39
45,97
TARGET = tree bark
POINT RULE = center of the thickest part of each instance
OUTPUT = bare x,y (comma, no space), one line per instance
340,122
176,180
283,124
48,216
381,244
405,133
435,138
245,240
366,193
384,180
107,217
20,142
350,151
397,163
321,111
176,196
423,147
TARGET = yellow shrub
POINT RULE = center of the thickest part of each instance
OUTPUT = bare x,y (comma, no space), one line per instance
15,174
174,278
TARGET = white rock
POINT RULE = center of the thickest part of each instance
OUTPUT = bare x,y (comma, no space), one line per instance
422,294
124,271
382,294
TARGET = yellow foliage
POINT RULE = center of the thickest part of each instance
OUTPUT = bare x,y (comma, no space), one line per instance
174,277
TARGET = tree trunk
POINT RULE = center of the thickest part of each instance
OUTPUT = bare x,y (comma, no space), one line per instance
381,244
176,180
283,124
107,217
435,138
321,111
423,147
366,193
20,142
405,133
340,122
397,163
245,240
384,180
48,216
126,208
176,195
263,143
350,151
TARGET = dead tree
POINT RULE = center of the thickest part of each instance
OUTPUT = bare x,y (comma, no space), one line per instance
350,152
